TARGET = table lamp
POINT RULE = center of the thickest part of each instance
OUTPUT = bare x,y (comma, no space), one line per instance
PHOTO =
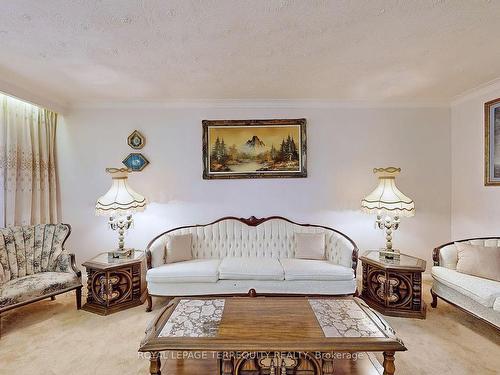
389,203
118,204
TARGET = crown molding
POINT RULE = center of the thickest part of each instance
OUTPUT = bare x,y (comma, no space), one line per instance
263,103
64,107
29,97
476,92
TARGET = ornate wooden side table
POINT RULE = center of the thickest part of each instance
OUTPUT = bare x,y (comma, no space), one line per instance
393,287
115,284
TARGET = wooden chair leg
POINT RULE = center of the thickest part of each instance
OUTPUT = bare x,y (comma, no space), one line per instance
53,298
149,308
79,298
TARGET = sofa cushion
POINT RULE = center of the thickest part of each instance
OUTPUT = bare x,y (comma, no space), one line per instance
479,261
448,256
310,246
481,290
32,286
179,248
250,268
190,271
306,269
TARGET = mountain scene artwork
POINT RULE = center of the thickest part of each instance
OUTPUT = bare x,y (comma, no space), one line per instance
258,149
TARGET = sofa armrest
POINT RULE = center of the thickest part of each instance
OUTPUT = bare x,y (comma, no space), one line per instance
435,256
344,252
66,262
156,254
354,260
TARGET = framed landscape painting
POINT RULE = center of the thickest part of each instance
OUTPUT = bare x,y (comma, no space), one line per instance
254,148
492,142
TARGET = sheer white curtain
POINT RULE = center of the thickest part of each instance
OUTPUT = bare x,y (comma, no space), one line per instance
28,176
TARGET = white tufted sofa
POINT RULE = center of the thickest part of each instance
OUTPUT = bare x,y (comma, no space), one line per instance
233,256
477,296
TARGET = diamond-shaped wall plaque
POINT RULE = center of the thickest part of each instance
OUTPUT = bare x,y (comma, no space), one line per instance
136,140
135,161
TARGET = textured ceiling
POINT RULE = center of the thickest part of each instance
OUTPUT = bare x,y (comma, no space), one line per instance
154,50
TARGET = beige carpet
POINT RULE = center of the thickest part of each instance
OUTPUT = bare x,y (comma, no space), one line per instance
52,337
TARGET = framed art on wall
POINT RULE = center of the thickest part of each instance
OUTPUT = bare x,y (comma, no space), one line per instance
492,142
254,148
136,140
136,162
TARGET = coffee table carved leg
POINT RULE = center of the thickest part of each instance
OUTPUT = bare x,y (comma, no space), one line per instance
155,364
227,366
327,367
389,368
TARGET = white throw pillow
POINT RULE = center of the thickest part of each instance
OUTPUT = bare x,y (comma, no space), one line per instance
310,246
179,248
478,261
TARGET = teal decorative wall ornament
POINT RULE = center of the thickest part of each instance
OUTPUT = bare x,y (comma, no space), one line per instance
136,162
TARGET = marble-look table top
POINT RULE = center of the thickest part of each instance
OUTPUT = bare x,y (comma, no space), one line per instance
337,318
194,318
343,318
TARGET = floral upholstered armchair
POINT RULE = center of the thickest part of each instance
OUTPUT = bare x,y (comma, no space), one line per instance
35,266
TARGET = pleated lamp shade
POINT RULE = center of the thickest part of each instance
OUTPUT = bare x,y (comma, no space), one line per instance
387,199
120,199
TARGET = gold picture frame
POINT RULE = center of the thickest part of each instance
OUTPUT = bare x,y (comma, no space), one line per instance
136,140
492,143
274,148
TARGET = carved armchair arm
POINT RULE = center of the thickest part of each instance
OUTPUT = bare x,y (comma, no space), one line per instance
3,276
66,262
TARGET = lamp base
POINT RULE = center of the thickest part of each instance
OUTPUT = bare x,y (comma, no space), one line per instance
390,254
120,254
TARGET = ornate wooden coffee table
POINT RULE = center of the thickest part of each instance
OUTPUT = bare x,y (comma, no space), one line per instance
271,335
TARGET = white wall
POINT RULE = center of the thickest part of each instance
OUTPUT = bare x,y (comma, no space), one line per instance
344,144
475,207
